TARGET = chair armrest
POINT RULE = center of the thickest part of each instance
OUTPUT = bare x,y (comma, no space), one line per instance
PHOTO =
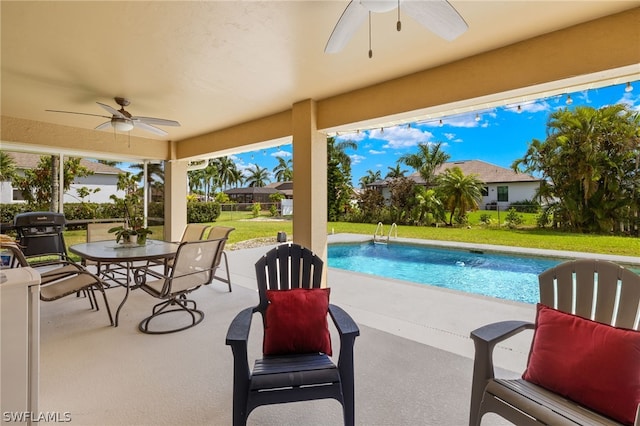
485,339
237,338
499,331
238,332
346,326
348,331
140,275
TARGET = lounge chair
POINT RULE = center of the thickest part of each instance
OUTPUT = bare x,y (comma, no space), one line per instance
595,302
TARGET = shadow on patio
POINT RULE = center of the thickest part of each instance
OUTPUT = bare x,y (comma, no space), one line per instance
413,358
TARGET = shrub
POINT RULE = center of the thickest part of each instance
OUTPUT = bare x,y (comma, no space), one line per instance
513,219
255,209
485,219
526,206
200,212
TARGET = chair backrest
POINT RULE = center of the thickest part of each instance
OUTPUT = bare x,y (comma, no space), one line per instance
17,257
193,265
100,231
596,289
286,267
194,232
220,232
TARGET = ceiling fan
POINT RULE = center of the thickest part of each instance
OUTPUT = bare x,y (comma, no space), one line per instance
436,15
123,121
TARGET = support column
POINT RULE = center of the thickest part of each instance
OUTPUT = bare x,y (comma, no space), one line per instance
175,199
309,180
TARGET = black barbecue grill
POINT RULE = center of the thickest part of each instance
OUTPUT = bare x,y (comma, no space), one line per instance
41,233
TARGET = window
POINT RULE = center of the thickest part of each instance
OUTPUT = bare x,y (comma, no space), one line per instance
485,191
17,195
503,193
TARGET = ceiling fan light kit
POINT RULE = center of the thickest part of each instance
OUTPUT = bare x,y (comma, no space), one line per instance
437,16
121,124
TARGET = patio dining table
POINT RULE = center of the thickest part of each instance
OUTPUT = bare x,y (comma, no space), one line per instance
111,252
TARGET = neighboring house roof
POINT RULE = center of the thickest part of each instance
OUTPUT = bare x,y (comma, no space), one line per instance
285,187
281,185
26,160
252,190
486,172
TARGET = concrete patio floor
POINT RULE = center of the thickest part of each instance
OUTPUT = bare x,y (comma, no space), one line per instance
413,359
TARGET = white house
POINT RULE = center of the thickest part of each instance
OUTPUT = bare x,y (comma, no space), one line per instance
104,178
502,186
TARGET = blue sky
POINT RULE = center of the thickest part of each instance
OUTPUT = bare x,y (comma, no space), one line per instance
498,136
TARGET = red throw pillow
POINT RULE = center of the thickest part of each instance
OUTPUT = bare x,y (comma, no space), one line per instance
591,363
296,322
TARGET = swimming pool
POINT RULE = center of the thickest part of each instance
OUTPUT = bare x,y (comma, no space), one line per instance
491,274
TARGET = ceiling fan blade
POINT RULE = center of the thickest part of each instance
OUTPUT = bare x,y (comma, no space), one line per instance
112,110
79,113
352,18
104,126
149,128
156,121
436,15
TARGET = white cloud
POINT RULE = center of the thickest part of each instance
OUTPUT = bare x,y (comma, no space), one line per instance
374,152
531,107
356,137
631,101
356,159
281,153
401,136
450,136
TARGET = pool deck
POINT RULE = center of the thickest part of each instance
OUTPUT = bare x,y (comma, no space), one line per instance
413,357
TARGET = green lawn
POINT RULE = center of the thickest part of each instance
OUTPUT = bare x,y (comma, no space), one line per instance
248,228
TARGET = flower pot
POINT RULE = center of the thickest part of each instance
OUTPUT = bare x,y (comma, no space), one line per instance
141,239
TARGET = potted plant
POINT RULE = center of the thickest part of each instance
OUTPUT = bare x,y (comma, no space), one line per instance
131,205
141,235
123,233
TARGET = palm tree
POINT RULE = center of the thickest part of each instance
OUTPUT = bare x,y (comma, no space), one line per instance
227,171
235,177
426,201
196,179
395,172
283,171
211,178
155,171
258,176
590,158
339,187
7,167
459,192
370,177
428,158
336,151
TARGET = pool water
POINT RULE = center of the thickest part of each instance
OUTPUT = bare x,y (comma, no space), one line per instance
490,274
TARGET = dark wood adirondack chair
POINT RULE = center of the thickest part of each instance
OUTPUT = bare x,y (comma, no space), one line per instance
290,377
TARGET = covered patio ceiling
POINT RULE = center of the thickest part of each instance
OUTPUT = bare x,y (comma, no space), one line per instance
220,65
